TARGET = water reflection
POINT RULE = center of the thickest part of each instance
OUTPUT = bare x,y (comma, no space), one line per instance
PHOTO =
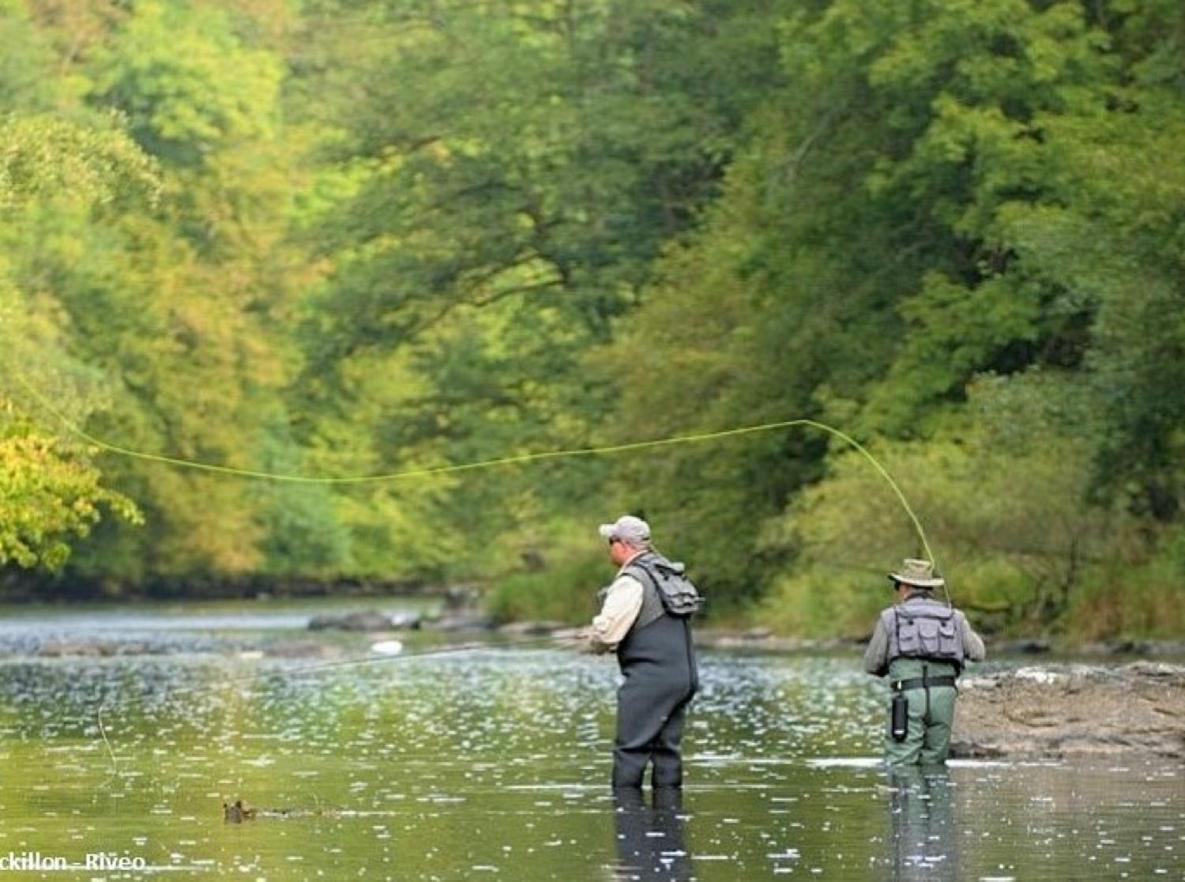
923,840
650,838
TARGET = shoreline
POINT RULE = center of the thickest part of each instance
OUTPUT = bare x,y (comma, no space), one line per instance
132,629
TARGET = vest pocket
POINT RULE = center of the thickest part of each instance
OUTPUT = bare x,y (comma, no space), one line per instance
937,637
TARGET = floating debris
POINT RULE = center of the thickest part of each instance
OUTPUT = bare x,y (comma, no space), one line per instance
387,647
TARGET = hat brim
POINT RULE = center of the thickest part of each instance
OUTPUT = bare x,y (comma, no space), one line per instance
606,530
916,582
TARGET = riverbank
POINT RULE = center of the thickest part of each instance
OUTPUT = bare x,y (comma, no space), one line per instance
1059,711
319,626
30,588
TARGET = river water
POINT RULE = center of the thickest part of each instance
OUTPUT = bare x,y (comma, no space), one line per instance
492,763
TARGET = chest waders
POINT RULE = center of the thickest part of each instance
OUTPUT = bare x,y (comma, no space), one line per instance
657,660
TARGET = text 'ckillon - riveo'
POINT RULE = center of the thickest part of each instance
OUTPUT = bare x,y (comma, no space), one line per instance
35,860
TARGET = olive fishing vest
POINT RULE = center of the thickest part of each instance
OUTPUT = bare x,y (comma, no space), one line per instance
924,629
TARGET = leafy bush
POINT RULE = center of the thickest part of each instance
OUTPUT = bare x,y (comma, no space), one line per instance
565,592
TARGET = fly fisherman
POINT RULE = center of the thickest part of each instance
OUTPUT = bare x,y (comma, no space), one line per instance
921,644
645,617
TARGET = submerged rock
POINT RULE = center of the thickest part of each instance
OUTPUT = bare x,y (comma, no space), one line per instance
462,621
406,621
303,649
532,629
1030,646
1164,648
85,646
82,647
763,640
363,620
1073,710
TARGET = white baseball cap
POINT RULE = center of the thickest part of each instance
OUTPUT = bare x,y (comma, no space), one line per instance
629,529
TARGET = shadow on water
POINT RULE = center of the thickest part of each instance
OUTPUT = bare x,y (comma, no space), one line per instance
650,837
923,841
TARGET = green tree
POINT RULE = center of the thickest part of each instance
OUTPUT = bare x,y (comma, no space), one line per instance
52,493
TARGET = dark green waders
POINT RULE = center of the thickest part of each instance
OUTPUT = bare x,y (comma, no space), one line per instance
931,713
924,841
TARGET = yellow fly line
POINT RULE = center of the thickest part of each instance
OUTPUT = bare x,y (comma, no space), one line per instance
477,465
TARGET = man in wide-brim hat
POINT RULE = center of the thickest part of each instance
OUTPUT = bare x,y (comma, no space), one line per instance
921,644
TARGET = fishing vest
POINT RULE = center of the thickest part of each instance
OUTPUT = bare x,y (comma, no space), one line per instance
924,629
674,592
658,646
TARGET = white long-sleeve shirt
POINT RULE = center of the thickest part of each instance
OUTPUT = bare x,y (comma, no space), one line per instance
623,602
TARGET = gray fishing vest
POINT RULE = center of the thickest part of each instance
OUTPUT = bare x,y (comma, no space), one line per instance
925,629
652,604
652,609
658,646
678,595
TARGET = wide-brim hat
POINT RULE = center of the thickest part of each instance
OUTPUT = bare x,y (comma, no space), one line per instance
919,573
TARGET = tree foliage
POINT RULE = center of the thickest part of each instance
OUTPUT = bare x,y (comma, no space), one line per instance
345,238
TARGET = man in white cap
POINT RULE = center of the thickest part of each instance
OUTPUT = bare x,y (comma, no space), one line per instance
644,619
922,645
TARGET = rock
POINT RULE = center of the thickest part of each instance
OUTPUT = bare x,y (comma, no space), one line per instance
1073,710
363,620
755,640
1117,647
93,647
1143,648
406,621
1167,648
531,629
144,647
1021,647
461,597
89,648
464,621
303,649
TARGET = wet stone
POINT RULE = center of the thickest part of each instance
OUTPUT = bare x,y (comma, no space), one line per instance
1073,710
362,620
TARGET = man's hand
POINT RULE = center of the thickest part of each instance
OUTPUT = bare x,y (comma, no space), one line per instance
592,644
578,640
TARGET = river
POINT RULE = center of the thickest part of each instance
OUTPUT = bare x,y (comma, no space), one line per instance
491,763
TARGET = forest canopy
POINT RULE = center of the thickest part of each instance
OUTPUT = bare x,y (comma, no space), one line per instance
335,238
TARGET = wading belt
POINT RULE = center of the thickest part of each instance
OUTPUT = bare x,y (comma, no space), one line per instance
921,683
